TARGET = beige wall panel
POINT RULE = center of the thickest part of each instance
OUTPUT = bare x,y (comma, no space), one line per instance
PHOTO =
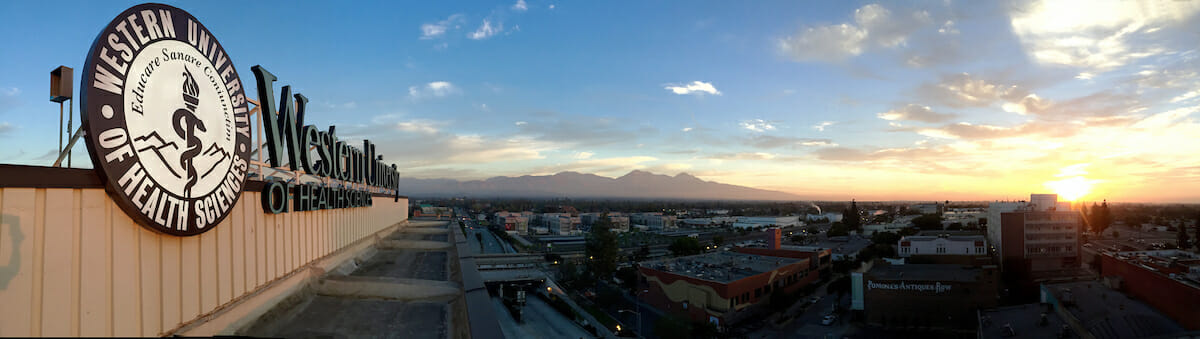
58,266
171,250
237,258
126,285
95,290
151,279
224,260
189,277
16,275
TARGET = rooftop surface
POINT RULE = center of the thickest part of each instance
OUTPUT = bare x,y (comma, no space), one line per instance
1109,314
1025,321
722,267
925,272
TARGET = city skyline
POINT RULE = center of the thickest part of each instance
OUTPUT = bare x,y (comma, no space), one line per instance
935,100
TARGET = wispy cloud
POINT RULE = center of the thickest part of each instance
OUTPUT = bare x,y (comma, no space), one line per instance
820,127
873,27
486,30
520,6
438,29
432,89
758,125
914,112
694,88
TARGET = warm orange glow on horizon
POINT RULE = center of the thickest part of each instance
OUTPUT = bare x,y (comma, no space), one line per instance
1071,189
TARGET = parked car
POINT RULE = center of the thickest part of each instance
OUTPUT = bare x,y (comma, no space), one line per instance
828,320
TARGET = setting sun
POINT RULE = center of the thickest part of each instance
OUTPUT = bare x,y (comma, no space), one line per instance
1070,189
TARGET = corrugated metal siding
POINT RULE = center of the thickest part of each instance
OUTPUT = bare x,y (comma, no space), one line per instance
72,263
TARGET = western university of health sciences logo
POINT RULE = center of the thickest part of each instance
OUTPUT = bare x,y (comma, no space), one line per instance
166,120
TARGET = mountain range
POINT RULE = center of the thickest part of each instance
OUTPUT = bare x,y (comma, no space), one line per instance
635,185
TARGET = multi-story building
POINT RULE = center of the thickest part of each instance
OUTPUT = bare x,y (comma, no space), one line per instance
723,288
617,222
654,221
514,223
1035,242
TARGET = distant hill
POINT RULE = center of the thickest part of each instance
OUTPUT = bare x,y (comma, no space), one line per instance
635,185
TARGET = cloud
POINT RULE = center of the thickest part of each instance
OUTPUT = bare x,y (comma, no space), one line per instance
486,30
418,126
742,156
758,125
874,27
770,141
520,123
438,29
914,112
820,127
551,6
695,87
433,89
6,128
520,6
1095,35
948,28
687,129
583,130
584,155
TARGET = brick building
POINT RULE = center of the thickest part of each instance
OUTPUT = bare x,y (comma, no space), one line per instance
724,288
924,296
1168,280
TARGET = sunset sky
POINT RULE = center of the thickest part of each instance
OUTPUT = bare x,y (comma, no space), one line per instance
938,100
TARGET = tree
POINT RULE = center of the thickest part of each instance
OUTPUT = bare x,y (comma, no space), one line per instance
888,238
927,222
672,326
851,218
1181,238
841,286
602,249
718,241
642,253
684,246
1197,242
1103,217
629,278
838,229
956,226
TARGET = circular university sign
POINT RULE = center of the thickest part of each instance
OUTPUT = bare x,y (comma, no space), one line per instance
165,120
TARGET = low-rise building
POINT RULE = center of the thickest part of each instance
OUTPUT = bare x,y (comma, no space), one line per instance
1023,321
841,247
1096,311
722,288
763,222
924,296
943,249
1168,280
928,208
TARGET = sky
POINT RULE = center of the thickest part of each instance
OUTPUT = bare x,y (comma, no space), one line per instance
936,100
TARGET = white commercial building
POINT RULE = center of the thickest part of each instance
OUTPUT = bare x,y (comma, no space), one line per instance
942,245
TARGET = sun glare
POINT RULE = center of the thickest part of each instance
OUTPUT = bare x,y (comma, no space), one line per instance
1070,189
